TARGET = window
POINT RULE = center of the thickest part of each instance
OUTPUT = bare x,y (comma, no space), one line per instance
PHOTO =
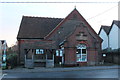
39,51
81,53
59,53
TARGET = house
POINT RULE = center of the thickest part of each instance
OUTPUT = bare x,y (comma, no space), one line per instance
50,42
114,35
110,35
103,33
111,40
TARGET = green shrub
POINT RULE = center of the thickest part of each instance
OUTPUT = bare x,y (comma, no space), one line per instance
11,60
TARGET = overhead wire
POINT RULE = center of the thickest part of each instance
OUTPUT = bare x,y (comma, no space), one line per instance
65,2
102,12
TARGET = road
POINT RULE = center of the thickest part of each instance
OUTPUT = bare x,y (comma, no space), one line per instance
108,73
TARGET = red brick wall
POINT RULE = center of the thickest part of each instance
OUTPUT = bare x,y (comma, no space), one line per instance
70,50
70,57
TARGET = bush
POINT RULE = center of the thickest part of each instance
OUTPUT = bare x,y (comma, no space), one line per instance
11,60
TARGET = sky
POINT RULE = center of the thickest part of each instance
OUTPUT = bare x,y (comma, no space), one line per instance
96,12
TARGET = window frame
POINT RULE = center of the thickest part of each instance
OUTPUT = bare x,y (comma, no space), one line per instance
59,53
39,51
80,48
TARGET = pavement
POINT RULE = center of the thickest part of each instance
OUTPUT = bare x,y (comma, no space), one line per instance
58,69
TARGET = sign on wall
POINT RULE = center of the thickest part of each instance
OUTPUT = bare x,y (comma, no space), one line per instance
0,59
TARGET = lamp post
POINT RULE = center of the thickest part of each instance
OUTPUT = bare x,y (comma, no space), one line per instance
104,55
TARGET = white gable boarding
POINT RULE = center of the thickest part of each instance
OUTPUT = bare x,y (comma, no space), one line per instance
104,36
113,37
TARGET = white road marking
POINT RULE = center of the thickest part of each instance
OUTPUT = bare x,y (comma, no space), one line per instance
2,76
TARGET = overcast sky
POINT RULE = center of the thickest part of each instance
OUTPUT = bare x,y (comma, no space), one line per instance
96,14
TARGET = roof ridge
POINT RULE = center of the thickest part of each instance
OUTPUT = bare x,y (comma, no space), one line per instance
42,17
116,20
105,26
34,26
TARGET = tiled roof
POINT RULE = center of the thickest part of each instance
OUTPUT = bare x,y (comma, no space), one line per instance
114,22
106,29
37,27
117,23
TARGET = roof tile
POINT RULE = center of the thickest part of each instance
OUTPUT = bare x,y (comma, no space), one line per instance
106,29
37,27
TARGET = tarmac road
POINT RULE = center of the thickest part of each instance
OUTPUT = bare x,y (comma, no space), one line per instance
104,74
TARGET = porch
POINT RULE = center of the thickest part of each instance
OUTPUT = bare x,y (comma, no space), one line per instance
42,58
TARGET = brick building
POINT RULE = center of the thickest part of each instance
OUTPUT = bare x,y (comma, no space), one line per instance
49,42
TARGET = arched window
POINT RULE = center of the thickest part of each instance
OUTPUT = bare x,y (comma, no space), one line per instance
81,53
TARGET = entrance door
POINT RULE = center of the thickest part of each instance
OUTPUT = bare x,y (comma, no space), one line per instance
50,58
39,58
59,57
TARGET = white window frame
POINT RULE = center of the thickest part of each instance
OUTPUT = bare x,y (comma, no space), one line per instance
80,55
59,53
39,51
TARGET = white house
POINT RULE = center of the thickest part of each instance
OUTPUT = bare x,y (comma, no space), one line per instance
111,42
114,35
103,33
110,35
